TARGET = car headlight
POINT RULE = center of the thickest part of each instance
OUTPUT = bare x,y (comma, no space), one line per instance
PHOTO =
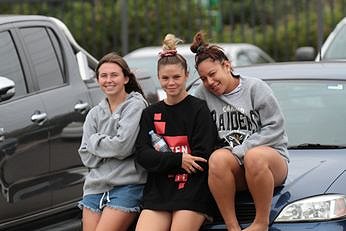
317,208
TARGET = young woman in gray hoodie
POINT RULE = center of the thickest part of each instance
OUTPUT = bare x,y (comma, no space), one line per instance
114,186
254,153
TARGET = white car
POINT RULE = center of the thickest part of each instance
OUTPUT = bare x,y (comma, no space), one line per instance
145,60
334,47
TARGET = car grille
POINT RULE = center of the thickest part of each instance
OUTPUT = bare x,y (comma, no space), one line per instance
245,210
245,213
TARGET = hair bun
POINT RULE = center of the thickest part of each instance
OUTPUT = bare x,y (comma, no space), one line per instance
169,45
199,44
200,49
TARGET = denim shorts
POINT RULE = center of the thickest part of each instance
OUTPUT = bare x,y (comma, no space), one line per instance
126,198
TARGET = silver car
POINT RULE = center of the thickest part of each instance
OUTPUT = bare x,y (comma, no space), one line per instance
144,60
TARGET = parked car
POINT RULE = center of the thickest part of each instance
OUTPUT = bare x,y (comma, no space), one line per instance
47,86
312,97
145,60
334,47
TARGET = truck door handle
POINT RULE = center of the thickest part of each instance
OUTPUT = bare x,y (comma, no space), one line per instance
2,134
81,107
39,117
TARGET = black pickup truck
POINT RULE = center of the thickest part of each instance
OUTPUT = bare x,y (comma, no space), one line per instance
47,86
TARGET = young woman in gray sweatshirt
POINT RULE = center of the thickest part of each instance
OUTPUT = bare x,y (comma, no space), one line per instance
114,186
253,154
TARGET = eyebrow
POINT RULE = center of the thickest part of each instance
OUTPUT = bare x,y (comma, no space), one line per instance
113,72
211,71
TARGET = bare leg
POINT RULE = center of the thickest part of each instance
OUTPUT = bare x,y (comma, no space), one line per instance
265,168
154,221
187,220
225,177
114,219
90,219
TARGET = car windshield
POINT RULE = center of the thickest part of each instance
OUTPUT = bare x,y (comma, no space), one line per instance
337,48
315,111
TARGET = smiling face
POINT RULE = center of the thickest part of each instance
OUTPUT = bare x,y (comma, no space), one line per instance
173,79
216,76
111,79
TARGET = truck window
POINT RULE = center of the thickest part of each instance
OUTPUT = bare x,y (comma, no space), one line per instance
43,56
10,66
57,49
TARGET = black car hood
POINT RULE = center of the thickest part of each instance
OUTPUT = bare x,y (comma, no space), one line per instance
311,173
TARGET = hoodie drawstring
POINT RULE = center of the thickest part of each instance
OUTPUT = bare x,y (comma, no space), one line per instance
102,204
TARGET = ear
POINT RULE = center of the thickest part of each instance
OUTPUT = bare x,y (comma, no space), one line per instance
227,65
127,79
187,74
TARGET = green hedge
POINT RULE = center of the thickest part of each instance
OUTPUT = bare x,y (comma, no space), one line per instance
278,27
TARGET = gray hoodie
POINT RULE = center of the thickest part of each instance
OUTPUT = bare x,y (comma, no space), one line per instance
108,145
247,117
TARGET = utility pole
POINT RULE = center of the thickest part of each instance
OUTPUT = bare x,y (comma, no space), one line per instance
319,27
124,27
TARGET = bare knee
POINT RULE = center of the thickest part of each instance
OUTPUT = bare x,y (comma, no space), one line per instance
186,220
260,159
219,161
223,163
255,161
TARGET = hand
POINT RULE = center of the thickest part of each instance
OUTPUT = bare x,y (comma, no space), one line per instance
189,163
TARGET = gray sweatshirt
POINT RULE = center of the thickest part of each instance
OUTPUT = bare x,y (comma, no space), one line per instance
247,117
108,145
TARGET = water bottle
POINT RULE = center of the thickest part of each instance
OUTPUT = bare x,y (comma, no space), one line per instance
158,142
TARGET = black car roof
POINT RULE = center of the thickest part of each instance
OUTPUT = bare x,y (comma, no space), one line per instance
295,70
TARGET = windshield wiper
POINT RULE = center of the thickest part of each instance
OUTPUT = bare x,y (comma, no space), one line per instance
316,146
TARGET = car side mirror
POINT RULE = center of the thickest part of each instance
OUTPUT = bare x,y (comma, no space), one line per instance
305,54
86,73
7,89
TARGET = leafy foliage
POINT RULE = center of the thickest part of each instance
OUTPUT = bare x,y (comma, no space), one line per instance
278,27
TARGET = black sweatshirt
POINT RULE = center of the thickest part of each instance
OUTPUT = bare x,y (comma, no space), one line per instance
186,127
